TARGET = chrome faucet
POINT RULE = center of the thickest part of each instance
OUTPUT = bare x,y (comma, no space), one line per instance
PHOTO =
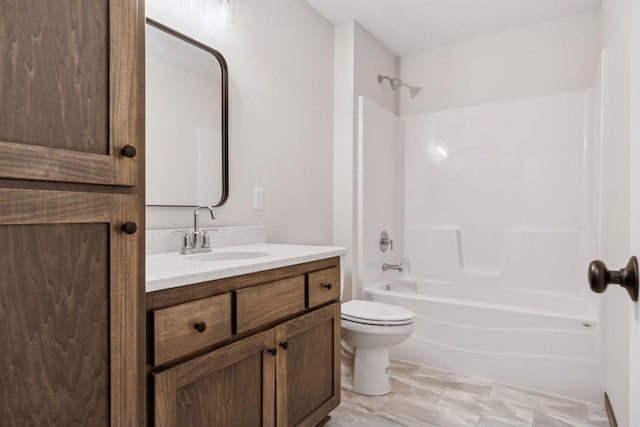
199,240
386,267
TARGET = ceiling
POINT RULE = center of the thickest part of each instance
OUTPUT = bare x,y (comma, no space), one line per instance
411,26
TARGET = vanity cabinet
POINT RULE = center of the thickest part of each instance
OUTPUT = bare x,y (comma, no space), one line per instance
72,213
278,364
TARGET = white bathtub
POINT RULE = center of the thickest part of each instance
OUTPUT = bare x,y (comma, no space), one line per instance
542,341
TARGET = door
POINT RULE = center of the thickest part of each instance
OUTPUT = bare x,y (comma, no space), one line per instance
233,386
308,367
70,86
621,213
69,309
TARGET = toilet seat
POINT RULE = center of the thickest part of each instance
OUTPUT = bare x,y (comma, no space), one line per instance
375,313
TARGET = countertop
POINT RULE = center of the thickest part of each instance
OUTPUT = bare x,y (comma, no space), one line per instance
170,270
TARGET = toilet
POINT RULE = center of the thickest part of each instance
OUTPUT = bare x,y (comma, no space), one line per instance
368,330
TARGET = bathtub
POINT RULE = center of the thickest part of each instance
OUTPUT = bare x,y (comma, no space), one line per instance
538,340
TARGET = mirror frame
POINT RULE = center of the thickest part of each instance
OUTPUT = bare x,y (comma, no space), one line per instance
225,106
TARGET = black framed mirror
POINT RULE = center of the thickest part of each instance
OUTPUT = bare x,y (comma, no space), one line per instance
186,120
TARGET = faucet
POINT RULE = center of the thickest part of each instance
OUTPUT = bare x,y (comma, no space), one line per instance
386,267
198,241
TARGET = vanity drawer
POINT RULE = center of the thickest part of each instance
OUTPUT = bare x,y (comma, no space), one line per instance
175,329
263,304
324,285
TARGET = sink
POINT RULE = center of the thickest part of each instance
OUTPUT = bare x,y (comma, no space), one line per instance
227,256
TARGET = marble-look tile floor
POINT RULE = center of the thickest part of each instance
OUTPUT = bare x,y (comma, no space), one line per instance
424,396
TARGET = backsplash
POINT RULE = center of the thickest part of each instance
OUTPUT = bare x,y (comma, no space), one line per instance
170,240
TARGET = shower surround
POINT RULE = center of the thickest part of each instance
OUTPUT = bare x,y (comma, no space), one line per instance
494,211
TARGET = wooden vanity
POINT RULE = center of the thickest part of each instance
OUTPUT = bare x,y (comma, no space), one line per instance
255,349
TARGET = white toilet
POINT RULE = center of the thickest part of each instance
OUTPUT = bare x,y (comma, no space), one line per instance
368,330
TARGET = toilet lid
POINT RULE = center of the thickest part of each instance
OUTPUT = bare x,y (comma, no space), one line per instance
375,313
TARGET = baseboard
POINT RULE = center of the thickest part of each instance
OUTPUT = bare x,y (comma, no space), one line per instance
609,409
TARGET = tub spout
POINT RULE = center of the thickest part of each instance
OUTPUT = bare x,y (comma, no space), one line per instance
386,267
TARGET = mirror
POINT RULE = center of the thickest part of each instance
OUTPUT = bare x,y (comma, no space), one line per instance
186,121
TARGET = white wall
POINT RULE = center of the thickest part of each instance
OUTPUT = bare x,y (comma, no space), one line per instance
370,59
359,58
280,58
547,58
381,144
344,224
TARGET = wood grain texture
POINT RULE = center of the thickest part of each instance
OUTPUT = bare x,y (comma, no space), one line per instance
231,396
305,396
165,399
71,79
26,207
174,335
318,283
54,76
264,304
225,387
169,297
54,318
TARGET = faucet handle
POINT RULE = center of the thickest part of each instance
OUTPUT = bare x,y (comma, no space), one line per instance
385,242
187,242
206,241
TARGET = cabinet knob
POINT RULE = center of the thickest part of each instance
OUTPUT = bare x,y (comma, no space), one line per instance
129,151
326,285
284,345
273,351
129,227
200,326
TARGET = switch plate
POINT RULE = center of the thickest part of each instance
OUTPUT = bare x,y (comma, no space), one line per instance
258,198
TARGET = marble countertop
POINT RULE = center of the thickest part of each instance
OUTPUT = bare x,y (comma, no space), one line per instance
170,270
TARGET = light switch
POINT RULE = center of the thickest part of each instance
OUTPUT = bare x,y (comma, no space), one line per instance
258,198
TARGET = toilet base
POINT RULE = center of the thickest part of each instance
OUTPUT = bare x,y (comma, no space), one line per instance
371,372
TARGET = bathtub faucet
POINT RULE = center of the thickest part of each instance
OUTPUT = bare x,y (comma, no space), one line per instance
386,267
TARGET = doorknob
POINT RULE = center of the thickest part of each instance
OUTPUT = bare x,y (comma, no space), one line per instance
627,277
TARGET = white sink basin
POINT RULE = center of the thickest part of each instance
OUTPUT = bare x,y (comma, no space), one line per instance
227,256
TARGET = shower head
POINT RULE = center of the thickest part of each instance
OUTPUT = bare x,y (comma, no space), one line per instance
394,83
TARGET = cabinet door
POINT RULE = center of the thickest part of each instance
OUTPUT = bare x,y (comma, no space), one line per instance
233,386
308,367
70,303
71,82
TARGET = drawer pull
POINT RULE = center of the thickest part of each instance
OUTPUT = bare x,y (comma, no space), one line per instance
200,326
284,345
273,351
326,285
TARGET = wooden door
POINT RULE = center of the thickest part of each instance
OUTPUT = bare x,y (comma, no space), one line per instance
308,367
71,87
70,301
233,386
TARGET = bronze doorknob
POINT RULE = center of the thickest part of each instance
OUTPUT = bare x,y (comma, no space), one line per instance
600,277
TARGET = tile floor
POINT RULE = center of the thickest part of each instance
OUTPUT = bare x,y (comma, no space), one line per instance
424,396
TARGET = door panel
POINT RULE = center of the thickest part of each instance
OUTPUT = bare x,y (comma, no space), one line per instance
69,309
54,364
311,355
227,387
69,90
